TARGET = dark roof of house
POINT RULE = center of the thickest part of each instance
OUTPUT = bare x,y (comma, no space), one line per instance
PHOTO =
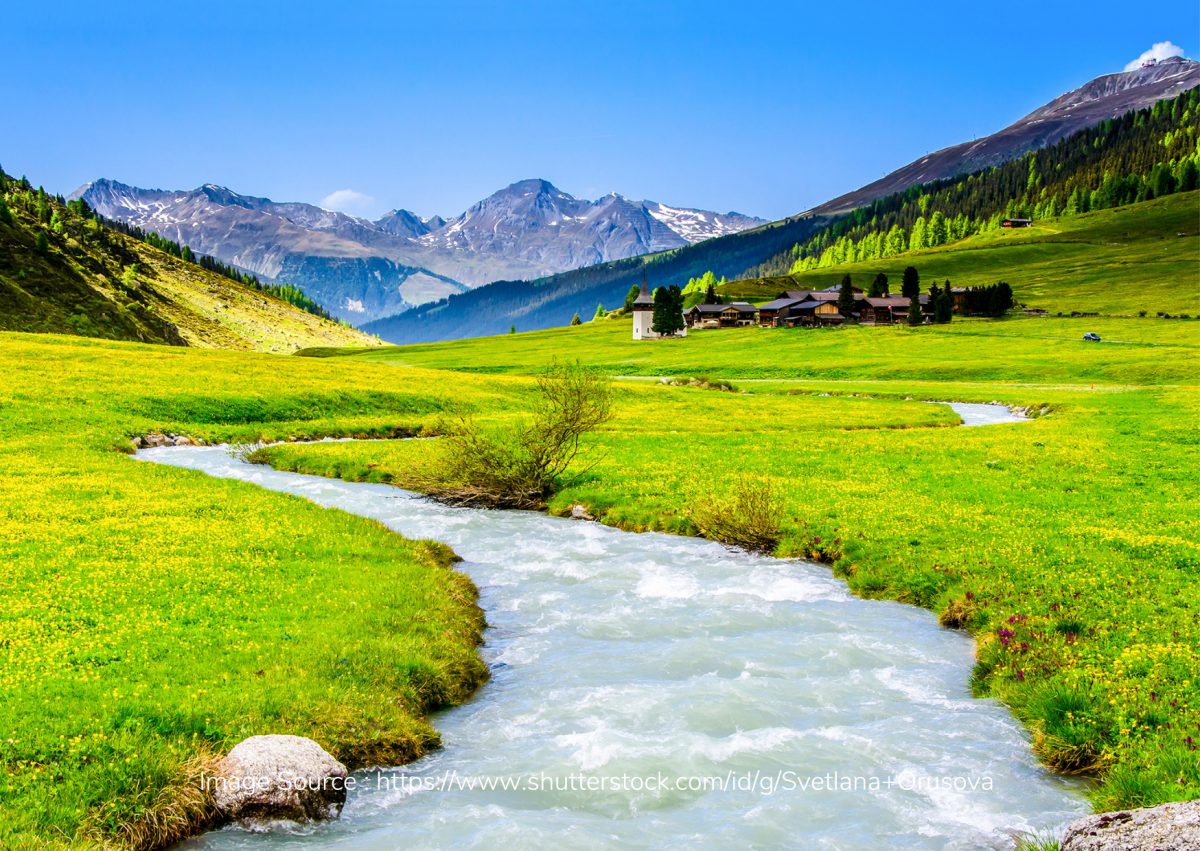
811,294
780,303
901,301
744,306
709,308
880,302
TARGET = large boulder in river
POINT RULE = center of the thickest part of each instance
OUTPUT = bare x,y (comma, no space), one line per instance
279,778
1167,827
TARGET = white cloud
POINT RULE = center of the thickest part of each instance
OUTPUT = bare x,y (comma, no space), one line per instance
1162,50
347,201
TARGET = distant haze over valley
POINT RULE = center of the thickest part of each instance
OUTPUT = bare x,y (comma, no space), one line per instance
361,270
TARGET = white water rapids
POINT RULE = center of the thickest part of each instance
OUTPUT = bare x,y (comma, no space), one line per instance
633,660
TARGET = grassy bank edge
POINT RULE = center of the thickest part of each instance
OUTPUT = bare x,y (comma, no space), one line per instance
182,809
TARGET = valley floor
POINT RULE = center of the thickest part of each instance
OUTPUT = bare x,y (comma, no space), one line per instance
157,616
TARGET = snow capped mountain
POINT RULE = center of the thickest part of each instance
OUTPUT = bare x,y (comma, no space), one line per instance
1102,98
364,269
535,221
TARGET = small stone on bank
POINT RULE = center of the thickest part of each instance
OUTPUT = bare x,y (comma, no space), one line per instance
279,778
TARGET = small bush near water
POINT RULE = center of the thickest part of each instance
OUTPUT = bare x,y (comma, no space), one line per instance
751,517
518,466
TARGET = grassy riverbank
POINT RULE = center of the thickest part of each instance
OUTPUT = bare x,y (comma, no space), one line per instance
155,616
1068,545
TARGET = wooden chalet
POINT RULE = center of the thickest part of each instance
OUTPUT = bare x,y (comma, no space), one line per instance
703,315
774,314
876,311
899,306
738,314
747,314
1016,223
827,313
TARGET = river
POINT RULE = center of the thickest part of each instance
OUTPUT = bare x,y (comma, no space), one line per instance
640,661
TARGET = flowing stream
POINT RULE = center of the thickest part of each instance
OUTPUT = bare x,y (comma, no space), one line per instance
658,692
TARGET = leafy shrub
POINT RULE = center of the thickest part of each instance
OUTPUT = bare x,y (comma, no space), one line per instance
518,466
750,517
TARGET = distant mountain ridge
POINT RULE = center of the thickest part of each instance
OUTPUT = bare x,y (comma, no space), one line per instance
1103,98
361,269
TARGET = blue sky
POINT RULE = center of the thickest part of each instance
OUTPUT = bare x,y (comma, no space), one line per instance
761,107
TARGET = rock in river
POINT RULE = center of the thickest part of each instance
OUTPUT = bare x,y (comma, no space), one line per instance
273,778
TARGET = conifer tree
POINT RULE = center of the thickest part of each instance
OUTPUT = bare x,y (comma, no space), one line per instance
5,213
42,245
915,317
600,314
1189,176
911,287
668,311
575,320
845,300
512,329
879,286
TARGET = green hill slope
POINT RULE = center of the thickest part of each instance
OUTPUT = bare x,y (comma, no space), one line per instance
1141,257
62,271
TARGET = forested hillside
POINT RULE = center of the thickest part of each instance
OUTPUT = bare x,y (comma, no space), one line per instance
65,270
1139,156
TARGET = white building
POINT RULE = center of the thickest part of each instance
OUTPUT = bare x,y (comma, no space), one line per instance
643,316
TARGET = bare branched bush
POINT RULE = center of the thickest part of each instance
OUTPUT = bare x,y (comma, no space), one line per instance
518,466
750,517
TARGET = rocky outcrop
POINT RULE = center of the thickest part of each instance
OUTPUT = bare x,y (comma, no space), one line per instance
278,778
1167,827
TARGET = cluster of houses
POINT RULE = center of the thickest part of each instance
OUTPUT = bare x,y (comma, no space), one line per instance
808,308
